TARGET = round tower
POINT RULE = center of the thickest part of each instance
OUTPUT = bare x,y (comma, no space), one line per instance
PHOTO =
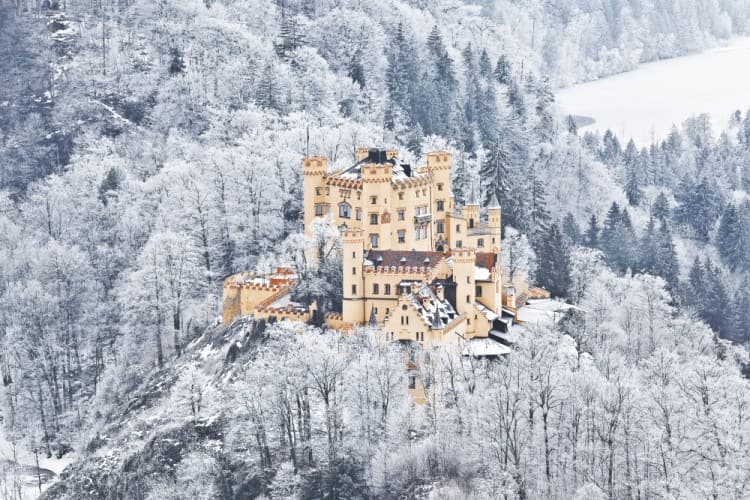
494,223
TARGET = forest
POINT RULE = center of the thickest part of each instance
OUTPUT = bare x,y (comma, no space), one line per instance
148,149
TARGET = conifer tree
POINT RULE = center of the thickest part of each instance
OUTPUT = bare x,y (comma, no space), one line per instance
571,230
647,250
666,264
730,241
633,189
591,236
485,67
502,70
660,208
553,267
355,71
176,62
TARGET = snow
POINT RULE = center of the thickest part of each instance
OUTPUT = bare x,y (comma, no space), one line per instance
541,312
485,347
481,273
659,94
19,464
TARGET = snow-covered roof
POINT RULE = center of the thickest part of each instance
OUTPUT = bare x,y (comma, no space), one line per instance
436,313
485,347
481,273
399,171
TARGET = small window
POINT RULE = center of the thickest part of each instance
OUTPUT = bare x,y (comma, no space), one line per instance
404,308
401,195
478,291
374,240
387,311
354,289
375,289
354,270
402,236
412,381
440,227
373,219
480,242
440,205
471,223
401,214
318,191
373,200
468,299
459,244
358,214
354,255
417,335
440,186
458,228
319,210
345,211
468,280
416,233
387,292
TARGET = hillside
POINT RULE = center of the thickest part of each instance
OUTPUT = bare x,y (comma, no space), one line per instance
149,149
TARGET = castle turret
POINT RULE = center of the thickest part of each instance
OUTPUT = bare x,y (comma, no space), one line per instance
354,288
463,275
494,222
313,170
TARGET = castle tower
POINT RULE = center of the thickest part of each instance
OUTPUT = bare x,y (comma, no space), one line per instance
494,222
439,169
313,170
354,284
376,193
463,276
471,210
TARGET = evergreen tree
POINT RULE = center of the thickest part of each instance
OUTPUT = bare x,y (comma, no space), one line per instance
740,313
633,189
268,94
485,66
730,240
494,174
666,264
553,267
571,230
648,246
591,236
176,62
503,70
660,208
355,71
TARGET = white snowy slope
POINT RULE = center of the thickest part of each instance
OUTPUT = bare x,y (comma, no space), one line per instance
645,103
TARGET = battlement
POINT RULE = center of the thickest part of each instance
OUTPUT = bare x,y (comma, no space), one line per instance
464,254
354,233
314,165
439,160
380,172
371,269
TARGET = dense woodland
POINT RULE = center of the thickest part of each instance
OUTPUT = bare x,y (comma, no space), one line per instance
148,149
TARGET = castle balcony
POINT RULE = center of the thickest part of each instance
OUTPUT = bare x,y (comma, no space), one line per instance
422,218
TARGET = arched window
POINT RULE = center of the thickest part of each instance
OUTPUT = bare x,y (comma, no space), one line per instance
345,210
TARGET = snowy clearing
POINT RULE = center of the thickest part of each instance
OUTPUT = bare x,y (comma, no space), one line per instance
644,103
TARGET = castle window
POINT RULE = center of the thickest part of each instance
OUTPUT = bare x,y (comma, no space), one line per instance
417,334
376,310
373,200
471,223
401,195
478,291
319,209
354,270
401,214
346,193
459,244
374,240
375,289
468,299
318,191
440,227
373,219
354,289
401,236
424,192
468,280
458,228
416,233
412,381
493,241
385,218
424,232
440,186
359,195
358,214
345,210
480,242
387,292
404,308
440,205
328,190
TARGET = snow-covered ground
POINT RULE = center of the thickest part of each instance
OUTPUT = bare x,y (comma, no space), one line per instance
544,312
19,477
644,103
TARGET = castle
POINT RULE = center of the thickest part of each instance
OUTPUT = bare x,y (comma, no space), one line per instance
413,264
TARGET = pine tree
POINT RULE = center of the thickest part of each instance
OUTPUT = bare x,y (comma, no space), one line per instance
268,94
591,236
485,67
633,189
571,230
355,71
553,267
666,264
176,62
730,240
494,174
503,70
647,250
660,208
739,324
